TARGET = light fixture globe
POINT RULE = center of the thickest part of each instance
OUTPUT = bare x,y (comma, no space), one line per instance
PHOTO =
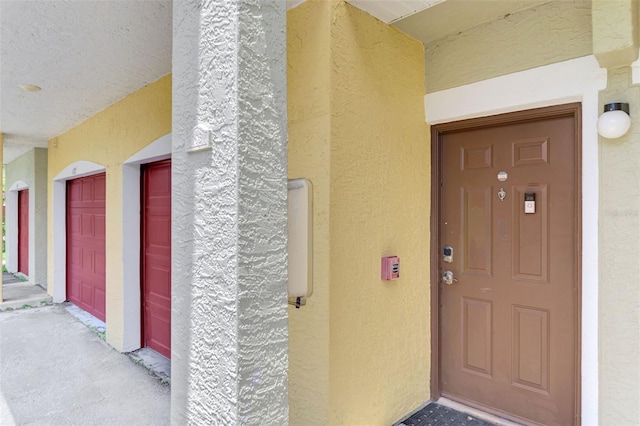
615,120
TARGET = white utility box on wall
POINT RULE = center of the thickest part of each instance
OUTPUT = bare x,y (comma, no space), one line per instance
300,234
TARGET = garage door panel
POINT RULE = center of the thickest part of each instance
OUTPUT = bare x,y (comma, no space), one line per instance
87,190
74,256
156,256
157,187
100,300
87,293
159,324
99,264
87,225
99,190
159,259
87,259
161,236
86,267
99,225
161,286
23,231
74,193
74,224
74,288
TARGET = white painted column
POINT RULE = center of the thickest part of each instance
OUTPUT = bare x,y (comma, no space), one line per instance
229,226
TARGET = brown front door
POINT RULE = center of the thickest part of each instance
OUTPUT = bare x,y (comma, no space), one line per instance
509,211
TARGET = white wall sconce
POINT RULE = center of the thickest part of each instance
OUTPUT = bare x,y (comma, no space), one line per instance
615,120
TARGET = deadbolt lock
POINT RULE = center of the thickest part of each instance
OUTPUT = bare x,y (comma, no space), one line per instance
447,278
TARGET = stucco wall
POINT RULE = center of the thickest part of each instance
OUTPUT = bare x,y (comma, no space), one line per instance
308,56
31,168
18,172
109,138
359,350
1,173
40,216
548,33
229,245
619,281
379,206
615,32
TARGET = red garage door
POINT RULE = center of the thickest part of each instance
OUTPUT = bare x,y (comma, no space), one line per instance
156,256
23,231
86,244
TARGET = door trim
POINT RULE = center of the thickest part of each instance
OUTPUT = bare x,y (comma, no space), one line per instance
90,308
59,222
437,133
574,80
11,224
158,150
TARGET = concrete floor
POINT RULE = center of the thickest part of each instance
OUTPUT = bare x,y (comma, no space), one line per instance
54,371
16,294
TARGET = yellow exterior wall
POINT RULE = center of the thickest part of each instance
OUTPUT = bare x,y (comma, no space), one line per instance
619,281
308,155
549,33
615,32
380,180
359,352
109,138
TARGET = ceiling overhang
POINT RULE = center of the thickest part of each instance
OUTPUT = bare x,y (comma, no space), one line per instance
87,55
390,11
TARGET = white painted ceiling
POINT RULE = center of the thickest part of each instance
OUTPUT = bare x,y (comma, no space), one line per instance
88,54
389,11
85,55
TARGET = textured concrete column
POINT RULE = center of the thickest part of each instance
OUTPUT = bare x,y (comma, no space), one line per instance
229,297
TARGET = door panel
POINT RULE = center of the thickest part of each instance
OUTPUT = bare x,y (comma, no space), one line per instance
508,325
23,231
476,213
477,337
86,244
156,256
531,349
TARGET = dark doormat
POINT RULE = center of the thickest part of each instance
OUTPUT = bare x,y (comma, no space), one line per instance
439,415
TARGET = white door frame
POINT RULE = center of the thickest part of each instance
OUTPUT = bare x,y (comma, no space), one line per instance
73,171
158,150
11,227
576,80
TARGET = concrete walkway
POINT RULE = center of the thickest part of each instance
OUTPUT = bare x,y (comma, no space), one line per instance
55,371
17,294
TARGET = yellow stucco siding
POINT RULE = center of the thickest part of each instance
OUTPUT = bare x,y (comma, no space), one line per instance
619,280
548,33
308,156
380,205
109,138
359,351
615,32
